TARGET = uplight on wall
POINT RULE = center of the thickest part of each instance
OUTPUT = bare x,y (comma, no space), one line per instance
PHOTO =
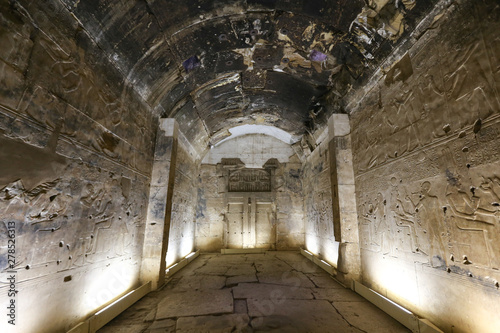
324,262
107,284
312,244
400,283
115,302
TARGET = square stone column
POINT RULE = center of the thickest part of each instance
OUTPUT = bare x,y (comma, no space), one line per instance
160,204
345,218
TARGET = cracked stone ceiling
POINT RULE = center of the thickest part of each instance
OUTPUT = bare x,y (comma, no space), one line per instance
216,64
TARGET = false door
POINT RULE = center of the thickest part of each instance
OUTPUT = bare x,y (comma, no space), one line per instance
250,222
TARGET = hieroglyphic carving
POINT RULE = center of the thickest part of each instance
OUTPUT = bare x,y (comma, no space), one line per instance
249,180
67,137
450,89
378,230
318,202
477,211
426,147
182,226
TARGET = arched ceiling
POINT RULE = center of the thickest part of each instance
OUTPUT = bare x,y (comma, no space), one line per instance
216,64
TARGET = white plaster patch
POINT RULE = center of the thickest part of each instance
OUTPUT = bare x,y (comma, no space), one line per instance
253,149
260,129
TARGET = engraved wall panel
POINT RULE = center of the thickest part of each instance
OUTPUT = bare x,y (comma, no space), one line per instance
210,208
75,159
249,180
427,174
319,233
265,225
182,225
290,221
282,223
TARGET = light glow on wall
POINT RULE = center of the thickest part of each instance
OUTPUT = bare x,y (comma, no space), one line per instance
312,244
178,250
108,284
401,284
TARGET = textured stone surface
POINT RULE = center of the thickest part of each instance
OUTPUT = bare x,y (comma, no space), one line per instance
269,291
195,303
76,150
426,164
225,323
234,280
83,84
319,229
271,220
289,316
182,224
288,278
363,314
256,307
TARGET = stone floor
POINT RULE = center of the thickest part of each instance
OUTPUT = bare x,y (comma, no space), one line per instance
271,292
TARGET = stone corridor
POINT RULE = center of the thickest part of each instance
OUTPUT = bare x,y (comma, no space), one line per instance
271,292
136,134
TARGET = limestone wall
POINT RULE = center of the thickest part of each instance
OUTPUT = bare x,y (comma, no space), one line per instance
426,141
319,235
290,205
182,224
286,214
210,208
76,147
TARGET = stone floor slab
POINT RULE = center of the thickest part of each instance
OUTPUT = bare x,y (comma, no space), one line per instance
302,315
195,303
289,256
286,278
201,298
306,267
337,295
234,280
368,317
209,269
270,291
260,257
240,306
166,325
324,281
198,282
224,324
271,266
242,269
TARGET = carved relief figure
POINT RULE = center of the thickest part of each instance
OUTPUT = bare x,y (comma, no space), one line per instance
404,217
429,226
370,241
97,204
378,228
477,210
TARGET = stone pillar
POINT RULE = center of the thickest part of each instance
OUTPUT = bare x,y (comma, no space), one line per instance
345,219
160,204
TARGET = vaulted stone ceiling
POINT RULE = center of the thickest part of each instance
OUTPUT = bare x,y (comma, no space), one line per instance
215,64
